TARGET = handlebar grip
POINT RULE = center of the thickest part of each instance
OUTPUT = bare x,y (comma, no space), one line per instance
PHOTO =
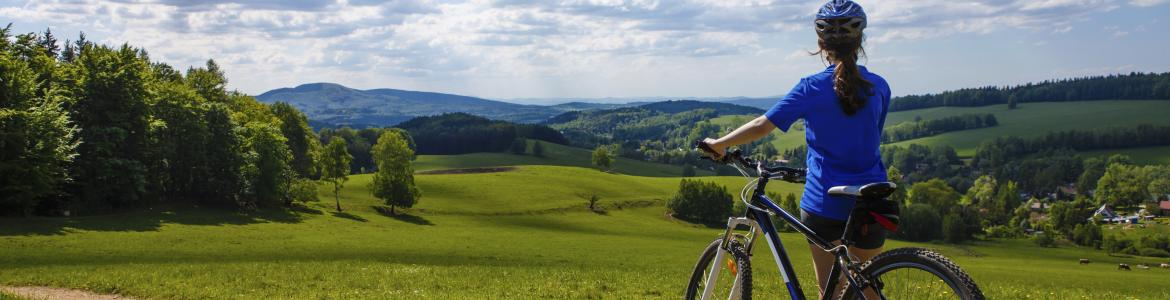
699,144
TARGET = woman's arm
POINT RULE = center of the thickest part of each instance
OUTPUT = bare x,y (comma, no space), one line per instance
749,132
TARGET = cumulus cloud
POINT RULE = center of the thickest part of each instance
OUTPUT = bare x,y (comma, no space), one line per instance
1147,3
923,19
281,42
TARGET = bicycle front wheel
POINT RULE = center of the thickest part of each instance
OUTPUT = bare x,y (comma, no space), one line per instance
915,273
728,277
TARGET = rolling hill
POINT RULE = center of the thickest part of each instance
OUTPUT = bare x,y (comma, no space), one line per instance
761,103
524,233
334,104
556,155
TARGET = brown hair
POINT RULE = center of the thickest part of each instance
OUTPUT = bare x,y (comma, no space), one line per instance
852,89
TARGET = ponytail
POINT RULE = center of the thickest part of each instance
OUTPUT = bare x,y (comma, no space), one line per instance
851,88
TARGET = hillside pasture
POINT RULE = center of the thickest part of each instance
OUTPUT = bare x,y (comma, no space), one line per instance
554,155
472,236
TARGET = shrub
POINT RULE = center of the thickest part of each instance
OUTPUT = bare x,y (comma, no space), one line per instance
1118,245
1087,235
1153,252
920,222
954,230
1044,240
1151,242
701,202
303,190
688,171
602,158
1003,231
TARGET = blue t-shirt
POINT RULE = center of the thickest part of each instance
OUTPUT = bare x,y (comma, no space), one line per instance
842,149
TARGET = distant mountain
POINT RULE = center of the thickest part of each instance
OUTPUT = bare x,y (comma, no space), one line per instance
720,108
577,106
329,104
624,114
761,103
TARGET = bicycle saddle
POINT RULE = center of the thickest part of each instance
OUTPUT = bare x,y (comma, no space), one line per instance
876,190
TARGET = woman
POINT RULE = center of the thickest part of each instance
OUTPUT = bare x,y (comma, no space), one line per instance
844,110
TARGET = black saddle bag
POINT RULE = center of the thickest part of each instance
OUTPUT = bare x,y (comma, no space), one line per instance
883,212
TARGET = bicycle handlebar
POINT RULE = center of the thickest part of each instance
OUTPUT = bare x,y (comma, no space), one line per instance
794,175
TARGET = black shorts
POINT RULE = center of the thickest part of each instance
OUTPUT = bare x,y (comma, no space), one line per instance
873,237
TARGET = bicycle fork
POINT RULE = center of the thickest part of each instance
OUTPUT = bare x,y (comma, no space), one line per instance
724,249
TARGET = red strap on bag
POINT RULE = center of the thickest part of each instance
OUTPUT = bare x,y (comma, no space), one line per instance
886,223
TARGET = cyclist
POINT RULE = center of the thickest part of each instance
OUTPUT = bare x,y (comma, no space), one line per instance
844,110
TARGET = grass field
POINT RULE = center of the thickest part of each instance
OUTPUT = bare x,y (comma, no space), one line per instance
471,236
553,155
8,296
1029,120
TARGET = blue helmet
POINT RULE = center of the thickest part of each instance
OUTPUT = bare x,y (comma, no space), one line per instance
840,19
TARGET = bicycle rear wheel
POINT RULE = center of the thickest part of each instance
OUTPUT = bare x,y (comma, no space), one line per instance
733,274
915,273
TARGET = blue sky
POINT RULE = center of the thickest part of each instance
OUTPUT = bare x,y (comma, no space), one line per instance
509,49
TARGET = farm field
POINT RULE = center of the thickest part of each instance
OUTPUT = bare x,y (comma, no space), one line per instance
471,236
1029,120
554,154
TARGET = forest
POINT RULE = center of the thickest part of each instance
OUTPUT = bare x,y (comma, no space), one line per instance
460,133
88,128
1133,86
919,129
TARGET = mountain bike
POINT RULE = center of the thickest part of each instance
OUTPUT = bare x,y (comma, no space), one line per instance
903,273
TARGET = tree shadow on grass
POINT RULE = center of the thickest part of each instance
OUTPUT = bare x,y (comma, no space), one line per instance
412,219
345,215
152,218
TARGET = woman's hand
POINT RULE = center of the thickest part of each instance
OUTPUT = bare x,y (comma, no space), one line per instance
719,150
751,131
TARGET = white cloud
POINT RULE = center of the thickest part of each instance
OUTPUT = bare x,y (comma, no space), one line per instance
1146,3
460,46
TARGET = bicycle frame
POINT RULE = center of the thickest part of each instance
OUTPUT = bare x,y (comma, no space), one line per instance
779,255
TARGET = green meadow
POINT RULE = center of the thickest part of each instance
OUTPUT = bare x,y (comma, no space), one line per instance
523,233
1028,120
557,155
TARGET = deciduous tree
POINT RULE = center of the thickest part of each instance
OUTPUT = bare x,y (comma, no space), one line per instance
335,166
602,158
394,180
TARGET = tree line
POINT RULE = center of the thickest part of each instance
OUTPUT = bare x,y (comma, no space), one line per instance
919,129
996,152
1133,86
459,133
360,144
106,128
89,128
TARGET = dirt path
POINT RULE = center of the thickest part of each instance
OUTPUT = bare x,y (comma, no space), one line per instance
49,293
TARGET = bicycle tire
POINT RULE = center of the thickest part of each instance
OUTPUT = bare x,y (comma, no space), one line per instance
960,283
742,262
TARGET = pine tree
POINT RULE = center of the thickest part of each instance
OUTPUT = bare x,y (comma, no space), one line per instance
519,146
48,43
537,149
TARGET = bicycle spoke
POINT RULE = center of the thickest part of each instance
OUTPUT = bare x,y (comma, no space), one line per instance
914,283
